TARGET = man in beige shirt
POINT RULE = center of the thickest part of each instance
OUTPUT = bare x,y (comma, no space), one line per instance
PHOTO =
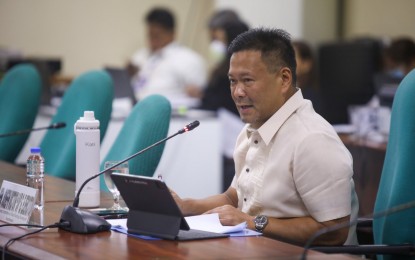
293,174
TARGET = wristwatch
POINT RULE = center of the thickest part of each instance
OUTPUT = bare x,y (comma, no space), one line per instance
260,222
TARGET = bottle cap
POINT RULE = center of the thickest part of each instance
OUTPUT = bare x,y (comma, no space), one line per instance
88,116
35,150
88,121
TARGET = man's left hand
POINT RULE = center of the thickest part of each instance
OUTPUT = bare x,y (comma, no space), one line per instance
231,216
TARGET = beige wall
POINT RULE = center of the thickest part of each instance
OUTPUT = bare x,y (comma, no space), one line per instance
319,20
91,34
380,18
284,14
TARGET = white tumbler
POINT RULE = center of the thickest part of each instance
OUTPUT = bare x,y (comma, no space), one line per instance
87,159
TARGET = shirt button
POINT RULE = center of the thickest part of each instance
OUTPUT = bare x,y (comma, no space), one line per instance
244,199
256,141
247,169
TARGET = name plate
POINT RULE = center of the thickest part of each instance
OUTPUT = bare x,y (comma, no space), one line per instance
16,202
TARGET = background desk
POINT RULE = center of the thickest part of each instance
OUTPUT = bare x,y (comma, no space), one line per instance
368,158
59,244
191,163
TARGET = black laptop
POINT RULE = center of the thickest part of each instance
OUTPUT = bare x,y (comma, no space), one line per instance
153,211
122,83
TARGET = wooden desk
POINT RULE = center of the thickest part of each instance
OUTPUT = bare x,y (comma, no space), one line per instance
59,244
368,158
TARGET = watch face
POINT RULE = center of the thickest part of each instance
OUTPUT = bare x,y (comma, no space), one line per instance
261,220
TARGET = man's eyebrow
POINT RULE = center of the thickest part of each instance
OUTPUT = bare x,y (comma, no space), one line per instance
242,74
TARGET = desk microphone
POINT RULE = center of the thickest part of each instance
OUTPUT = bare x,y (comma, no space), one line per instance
86,222
341,225
25,131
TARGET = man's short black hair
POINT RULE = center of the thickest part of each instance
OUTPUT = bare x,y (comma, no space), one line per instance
275,47
162,17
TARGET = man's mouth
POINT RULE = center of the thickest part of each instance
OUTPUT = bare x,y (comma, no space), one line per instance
243,107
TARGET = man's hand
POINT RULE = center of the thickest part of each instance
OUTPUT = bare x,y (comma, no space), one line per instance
190,207
178,200
231,216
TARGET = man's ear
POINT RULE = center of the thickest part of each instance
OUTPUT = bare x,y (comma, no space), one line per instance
286,77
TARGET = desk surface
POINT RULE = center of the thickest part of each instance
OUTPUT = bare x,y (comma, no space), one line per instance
368,159
57,244
351,140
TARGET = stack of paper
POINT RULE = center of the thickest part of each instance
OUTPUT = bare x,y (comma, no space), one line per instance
206,222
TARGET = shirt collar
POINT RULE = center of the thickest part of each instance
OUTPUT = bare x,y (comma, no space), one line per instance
274,123
168,48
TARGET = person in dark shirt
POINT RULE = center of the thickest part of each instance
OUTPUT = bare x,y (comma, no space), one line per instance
307,74
217,93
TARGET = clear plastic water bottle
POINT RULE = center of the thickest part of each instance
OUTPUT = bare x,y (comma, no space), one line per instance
35,175
87,159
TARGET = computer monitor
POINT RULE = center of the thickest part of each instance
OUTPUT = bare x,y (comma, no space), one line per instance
346,74
122,83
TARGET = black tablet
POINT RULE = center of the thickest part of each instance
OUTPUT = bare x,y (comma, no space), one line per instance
153,210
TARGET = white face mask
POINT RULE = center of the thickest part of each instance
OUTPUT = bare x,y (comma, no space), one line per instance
217,51
397,73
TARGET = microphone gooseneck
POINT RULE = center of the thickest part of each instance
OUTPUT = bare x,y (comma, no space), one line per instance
75,204
26,131
57,125
341,225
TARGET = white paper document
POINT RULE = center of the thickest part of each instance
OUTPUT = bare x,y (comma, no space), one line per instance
206,222
211,222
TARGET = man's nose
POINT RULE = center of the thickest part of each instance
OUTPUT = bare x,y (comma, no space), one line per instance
239,90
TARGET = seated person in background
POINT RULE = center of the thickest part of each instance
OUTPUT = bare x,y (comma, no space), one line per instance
293,174
218,45
398,60
400,57
307,74
217,93
166,67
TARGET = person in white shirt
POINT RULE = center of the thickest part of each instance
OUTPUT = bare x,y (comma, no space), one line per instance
293,175
166,67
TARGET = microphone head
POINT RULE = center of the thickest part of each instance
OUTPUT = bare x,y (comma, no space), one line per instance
192,125
189,127
58,125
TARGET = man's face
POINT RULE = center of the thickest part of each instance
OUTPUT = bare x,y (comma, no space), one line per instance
257,92
158,36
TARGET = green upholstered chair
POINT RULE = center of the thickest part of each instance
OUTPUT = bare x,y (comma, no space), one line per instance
397,183
394,215
92,91
147,123
20,92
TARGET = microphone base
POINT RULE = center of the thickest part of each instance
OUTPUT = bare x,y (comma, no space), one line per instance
83,221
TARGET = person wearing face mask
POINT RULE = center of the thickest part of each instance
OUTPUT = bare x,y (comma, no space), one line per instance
400,57
217,93
217,96
166,67
307,74
218,45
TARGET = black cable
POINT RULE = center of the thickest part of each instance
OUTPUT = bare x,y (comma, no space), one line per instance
11,240
21,225
338,226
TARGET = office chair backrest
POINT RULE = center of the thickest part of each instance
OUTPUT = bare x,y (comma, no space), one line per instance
20,91
147,123
92,91
397,184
